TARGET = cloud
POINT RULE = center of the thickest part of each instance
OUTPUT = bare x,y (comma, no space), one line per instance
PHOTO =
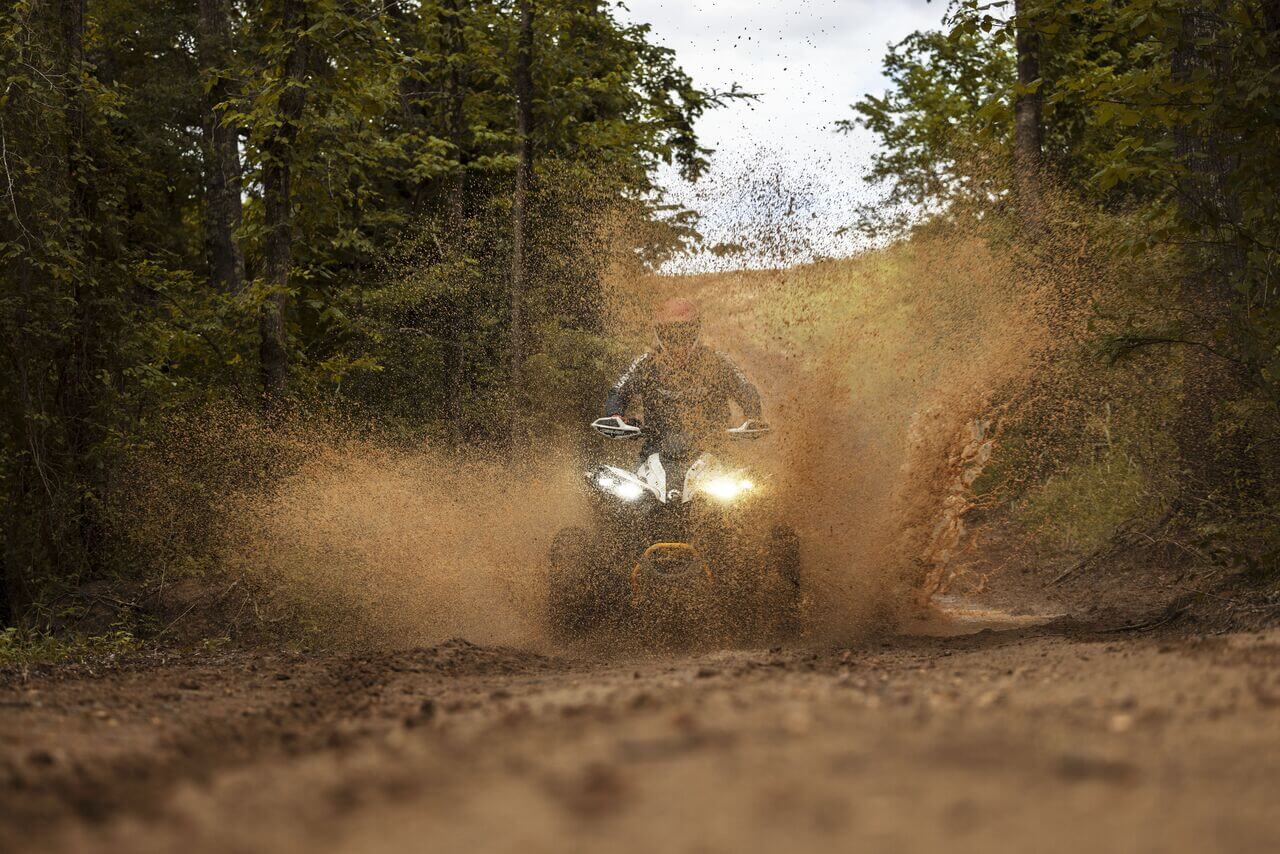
808,60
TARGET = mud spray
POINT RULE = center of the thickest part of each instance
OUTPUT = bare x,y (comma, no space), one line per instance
884,374
874,369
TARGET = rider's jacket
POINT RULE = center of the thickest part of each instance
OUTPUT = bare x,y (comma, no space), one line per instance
690,394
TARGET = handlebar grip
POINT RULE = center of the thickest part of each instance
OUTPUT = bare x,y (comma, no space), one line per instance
615,428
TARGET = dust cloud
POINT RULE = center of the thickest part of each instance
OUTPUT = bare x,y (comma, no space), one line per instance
885,375
874,370
366,545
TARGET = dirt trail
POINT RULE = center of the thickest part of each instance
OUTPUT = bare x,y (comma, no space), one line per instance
1045,738
976,731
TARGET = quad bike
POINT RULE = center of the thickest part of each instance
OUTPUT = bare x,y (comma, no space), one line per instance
684,549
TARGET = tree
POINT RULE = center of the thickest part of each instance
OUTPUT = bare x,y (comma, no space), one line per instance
221,149
158,157
520,199
1215,467
81,359
290,97
944,116
1164,112
454,42
63,306
455,96
1028,137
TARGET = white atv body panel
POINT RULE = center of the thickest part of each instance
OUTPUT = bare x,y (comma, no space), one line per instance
652,475
629,477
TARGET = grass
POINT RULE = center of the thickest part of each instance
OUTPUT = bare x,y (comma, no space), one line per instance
1079,510
25,646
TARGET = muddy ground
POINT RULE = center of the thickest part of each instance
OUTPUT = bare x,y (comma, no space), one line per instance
1126,726
1033,738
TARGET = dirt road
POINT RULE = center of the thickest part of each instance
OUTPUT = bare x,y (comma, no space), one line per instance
1057,737
1048,738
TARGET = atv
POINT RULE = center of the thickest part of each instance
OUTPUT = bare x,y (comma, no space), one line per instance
685,549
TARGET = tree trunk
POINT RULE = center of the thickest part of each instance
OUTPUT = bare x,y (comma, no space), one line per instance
15,552
222,213
1218,468
1271,21
519,205
278,205
1028,141
455,208
455,96
81,359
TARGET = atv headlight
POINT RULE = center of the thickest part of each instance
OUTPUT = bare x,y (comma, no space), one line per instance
624,489
727,488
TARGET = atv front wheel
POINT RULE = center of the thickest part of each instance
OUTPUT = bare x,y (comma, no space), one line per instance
784,564
576,598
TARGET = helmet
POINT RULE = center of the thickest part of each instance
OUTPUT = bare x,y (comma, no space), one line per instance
677,323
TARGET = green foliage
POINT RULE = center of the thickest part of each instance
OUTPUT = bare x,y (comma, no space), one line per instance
1169,106
19,647
400,177
946,109
1163,117
1078,511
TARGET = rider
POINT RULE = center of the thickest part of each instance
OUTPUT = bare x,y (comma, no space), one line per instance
684,384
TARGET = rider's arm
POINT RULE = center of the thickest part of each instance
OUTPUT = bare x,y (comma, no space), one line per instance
741,389
623,390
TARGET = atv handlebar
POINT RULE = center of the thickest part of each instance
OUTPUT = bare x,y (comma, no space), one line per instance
752,428
615,427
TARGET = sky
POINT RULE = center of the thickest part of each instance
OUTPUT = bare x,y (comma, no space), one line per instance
781,175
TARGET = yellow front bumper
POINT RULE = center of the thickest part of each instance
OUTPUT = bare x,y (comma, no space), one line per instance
660,548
